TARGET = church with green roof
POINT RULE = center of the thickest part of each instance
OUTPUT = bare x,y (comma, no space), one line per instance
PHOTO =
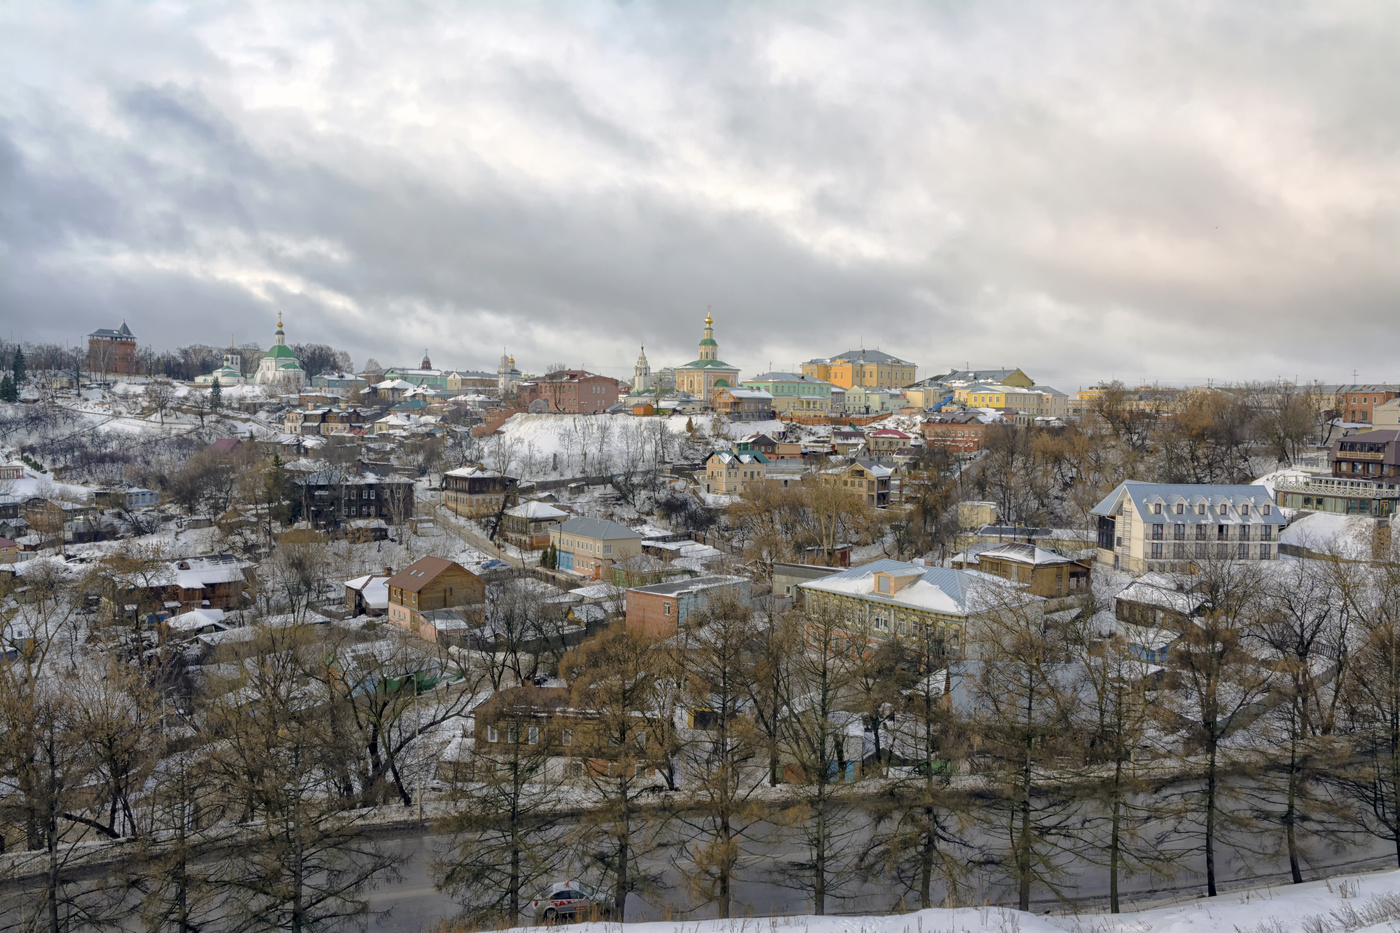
280,366
702,376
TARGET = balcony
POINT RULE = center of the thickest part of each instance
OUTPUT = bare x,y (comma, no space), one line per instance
1336,486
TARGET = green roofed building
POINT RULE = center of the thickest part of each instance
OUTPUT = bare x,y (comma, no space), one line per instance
700,377
280,366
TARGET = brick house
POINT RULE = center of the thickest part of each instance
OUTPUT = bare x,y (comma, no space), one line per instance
957,432
1357,403
475,491
663,608
429,584
571,392
113,352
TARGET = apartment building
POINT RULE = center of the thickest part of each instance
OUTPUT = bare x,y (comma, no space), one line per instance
1168,527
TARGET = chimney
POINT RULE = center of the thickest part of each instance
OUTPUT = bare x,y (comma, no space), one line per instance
388,571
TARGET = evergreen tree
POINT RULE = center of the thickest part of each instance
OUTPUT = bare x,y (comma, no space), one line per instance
216,395
19,367
7,390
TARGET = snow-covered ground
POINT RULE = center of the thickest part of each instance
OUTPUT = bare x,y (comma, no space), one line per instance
538,447
1351,904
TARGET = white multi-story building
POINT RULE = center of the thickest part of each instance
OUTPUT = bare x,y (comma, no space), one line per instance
1169,527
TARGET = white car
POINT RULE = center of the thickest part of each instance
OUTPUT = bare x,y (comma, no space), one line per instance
569,899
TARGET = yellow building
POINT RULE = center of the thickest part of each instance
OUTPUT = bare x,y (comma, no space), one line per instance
868,368
701,376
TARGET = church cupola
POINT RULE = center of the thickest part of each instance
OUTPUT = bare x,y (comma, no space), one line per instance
709,350
427,363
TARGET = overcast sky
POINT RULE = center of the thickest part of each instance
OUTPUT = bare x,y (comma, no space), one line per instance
1176,192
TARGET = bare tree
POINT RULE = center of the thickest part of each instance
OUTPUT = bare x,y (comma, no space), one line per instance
160,395
1220,685
304,861
1022,732
505,825
614,678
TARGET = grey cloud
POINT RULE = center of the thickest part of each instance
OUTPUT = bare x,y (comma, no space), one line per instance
1058,188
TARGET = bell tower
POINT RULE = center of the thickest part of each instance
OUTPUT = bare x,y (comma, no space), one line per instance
709,350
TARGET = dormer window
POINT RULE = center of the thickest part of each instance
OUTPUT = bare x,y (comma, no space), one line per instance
1244,509
1223,507
1201,509
1157,508
1180,508
882,585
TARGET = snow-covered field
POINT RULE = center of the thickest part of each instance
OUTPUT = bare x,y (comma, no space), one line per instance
1352,904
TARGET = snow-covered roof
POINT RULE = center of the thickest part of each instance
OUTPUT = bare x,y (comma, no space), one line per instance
536,511
1026,554
196,619
373,588
935,589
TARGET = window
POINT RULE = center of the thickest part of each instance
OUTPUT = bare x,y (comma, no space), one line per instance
1156,532
607,549
1266,533
1180,508
1200,532
1244,532
1244,509
1201,509
1244,551
1179,531
1223,508
1265,552
534,735
1157,508
665,609
1222,550
1179,550
566,738
1156,549
1222,532
1201,549
512,734
1266,510
492,735
882,584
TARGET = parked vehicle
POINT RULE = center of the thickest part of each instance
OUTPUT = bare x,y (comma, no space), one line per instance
567,900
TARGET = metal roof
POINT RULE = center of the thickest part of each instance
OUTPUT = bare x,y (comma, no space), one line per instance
598,528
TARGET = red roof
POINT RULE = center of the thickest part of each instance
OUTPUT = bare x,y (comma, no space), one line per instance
889,432
226,445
